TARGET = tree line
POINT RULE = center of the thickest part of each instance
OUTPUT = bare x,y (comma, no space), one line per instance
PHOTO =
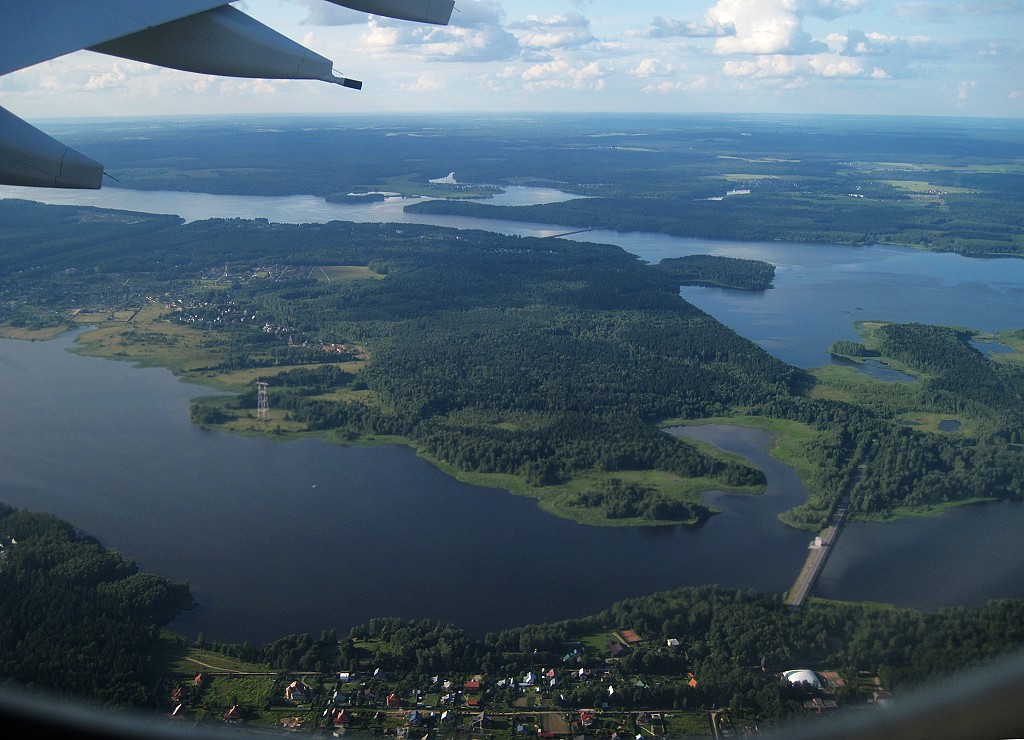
77,619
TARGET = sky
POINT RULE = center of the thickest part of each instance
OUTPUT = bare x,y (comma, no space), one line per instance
890,57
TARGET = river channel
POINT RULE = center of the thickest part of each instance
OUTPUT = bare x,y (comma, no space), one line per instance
301,536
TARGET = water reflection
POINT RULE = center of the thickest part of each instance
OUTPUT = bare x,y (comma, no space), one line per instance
875,368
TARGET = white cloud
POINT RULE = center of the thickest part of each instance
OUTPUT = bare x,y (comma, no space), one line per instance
828,9
424,84
942,12
764,66
568,31
964,90
652,67
859,43
696,84
561,73
667,28
762,27
830,65
781,66
320,13
104,80
475,35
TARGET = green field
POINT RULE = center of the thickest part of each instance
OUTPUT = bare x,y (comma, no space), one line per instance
345,273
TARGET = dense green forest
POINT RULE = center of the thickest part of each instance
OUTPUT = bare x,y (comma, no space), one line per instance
938,184
985,227
548,363
76,618
907,468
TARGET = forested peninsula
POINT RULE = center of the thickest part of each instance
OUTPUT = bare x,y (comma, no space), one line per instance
75,617
538,365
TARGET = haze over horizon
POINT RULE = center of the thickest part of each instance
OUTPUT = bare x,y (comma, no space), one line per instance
725,56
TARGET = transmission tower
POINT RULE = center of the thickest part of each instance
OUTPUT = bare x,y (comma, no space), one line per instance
262,405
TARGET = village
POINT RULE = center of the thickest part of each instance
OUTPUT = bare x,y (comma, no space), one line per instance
544,702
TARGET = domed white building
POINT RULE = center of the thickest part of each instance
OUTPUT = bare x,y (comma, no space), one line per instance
804,675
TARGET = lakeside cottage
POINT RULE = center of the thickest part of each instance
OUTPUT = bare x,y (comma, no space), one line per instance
298,692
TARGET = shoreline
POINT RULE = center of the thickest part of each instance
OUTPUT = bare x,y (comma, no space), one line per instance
101,340
786,438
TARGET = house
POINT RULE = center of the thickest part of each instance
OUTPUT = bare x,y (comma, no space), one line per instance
630,637
393,701
576,653
415,718
297,692
344,677
341,717
232,715
471,686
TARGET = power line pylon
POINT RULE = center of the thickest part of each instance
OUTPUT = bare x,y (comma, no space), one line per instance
262,406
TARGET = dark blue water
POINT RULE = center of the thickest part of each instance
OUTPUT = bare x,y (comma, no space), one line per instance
991,348
972,552
821,291
280,537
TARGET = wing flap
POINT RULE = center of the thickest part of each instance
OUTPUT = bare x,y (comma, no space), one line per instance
224,41
40,30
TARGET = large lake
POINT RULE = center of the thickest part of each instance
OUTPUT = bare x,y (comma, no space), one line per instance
301,536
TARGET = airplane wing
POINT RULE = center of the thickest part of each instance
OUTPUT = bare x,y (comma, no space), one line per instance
205,36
